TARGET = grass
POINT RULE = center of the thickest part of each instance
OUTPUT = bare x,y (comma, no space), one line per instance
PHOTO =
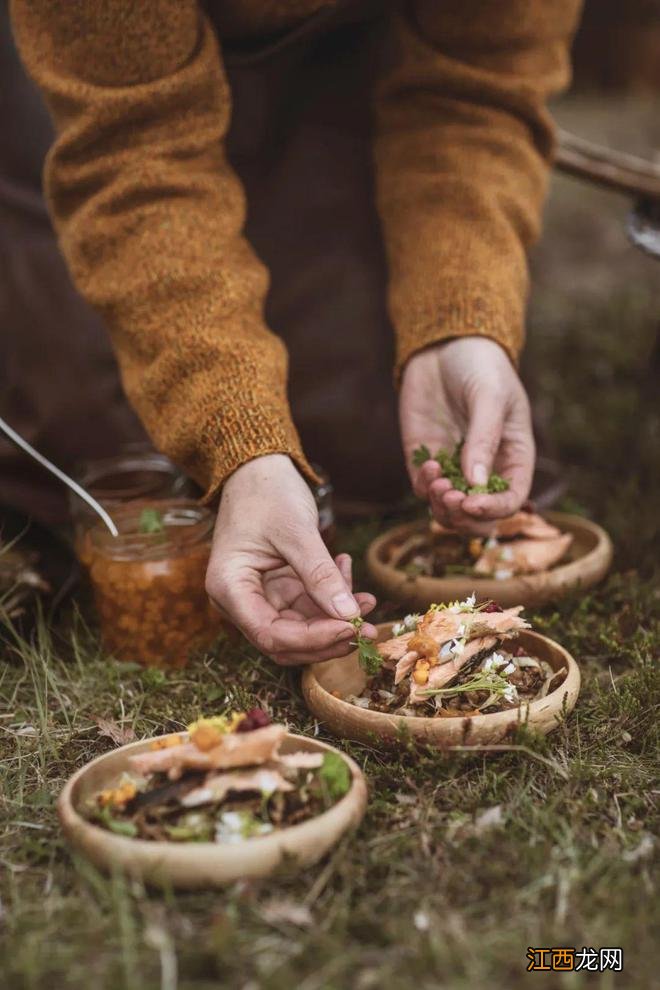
436,889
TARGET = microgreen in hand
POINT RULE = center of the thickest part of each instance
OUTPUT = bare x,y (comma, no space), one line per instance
368,655
151,521
452,471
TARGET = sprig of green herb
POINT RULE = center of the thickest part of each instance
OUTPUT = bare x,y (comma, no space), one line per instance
452,471
335,776
491,681
368,655
151,521
119,826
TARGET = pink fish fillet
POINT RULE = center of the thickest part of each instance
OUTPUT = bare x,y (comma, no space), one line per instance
442,673
496,623
405,665
524,556
525,524
217,786
237,749
442,626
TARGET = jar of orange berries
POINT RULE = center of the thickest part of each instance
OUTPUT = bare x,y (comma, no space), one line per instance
149,580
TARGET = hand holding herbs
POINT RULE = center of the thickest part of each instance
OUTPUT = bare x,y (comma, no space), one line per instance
467,387
453,472
226,781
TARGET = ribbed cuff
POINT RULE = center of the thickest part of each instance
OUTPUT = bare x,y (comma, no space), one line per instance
236,435
464,315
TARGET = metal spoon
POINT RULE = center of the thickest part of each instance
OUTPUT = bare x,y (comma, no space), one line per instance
73,485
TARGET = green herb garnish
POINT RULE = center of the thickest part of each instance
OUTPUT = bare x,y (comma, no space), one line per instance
335,776
452,471
421,455
151,521
368,655
119,826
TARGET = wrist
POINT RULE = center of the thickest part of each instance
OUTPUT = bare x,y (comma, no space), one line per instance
265,469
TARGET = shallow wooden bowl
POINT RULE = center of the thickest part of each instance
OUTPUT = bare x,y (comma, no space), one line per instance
589,558
322,682
204,864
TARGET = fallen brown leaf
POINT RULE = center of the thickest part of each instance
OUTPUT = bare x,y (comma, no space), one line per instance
119,734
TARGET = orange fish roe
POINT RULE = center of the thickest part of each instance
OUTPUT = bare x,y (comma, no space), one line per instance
421,672
425,645
166,742
206,737
117,797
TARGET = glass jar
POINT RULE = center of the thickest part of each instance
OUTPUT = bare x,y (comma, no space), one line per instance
137,473
323,493
149,586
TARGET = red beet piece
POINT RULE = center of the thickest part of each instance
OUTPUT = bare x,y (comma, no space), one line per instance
256,718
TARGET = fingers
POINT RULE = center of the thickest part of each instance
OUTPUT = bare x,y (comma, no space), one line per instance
423,478
321,577
518,470
484,433
292,658
301,609
344,564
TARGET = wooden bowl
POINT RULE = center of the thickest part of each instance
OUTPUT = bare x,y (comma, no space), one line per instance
589,558
204,864
344,676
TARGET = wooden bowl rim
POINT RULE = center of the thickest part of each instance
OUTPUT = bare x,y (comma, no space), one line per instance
348,811
443,585
525,711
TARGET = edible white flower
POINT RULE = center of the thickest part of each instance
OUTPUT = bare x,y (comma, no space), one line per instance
509,669
266,782
398,629
506,553
491,543
498,660
410,622
502,574
487,665
510,693
470,601
421,921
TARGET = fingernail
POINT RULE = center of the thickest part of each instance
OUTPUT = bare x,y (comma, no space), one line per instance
480,474
345,606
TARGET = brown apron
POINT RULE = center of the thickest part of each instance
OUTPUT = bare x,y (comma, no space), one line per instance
300,141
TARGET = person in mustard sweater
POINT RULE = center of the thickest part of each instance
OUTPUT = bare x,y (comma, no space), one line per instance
302,220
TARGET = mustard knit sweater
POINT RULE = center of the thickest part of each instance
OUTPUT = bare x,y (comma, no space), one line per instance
150,215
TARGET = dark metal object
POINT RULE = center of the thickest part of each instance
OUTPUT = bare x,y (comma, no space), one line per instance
620,172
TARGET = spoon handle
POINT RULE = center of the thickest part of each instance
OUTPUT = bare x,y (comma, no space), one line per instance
73,485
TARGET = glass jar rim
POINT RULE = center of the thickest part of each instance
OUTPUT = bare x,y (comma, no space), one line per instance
91,474
192,522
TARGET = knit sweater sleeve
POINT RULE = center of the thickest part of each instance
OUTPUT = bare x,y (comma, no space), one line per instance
149,216
463,147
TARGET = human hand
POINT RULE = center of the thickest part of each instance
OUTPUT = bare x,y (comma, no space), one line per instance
467,388
270,572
